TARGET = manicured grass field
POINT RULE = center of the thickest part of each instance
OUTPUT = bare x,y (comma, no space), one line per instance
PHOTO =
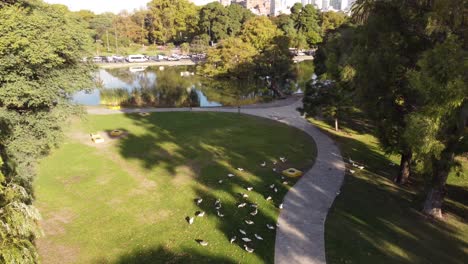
126,200
374,221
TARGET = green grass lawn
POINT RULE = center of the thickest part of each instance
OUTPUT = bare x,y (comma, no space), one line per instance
374,221
126,200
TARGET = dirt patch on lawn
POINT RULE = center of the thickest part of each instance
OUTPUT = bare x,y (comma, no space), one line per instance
152,217
72,180
85,138
56,253
55,222
186,173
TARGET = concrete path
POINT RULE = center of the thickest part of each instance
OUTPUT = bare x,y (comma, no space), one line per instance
300,237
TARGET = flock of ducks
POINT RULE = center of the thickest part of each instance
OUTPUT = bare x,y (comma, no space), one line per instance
246,240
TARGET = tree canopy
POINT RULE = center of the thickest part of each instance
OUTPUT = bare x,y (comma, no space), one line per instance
41,47
402,62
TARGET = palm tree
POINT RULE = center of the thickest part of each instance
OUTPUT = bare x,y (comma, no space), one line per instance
361,9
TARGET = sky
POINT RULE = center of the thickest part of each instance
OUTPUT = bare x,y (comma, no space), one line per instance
115,6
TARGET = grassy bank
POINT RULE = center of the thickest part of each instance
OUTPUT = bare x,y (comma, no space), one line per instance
374,221
126,200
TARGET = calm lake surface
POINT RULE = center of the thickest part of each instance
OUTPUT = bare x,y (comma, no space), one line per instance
179,86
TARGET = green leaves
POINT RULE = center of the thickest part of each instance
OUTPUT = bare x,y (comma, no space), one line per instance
40,51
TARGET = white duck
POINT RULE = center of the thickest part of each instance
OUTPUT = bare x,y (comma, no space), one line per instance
258,237
249,222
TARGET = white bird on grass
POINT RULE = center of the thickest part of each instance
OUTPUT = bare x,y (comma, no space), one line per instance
352,171
240,169
219,214
249,222
249,189
200,213
198,201
275,190
242,232
254,205
263,164
254,213
258,237
241,205
230,175
244,195
190,220
246,239
250,250
202,243
280,206
274,169
270,227
361,167
232,239
283,159
285,182
268,198
272,186
220,181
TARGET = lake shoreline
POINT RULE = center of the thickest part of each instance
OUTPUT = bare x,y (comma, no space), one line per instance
184,62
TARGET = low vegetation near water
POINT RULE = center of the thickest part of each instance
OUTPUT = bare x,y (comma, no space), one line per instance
375,221
126,200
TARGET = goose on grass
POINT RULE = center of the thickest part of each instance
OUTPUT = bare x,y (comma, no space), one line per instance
250,250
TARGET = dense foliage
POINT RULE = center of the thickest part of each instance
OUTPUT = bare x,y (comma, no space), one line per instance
40,51
404,64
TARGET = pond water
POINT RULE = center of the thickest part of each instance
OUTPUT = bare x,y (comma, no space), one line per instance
179,86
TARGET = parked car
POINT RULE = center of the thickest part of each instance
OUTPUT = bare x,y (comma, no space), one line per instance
108,59
97,59
153,58
172,59
118,58
137,58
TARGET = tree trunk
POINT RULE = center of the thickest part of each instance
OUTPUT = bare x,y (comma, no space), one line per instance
441,167
405,168
275,89
436,195
336,125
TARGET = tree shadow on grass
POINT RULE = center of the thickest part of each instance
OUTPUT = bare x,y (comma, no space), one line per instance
165,255
375,221
206,143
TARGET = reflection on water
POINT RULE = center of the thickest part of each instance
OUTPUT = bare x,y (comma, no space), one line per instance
178,87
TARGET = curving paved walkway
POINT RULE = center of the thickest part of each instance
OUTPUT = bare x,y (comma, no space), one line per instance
300,238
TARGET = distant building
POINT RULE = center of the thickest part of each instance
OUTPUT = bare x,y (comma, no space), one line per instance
225,2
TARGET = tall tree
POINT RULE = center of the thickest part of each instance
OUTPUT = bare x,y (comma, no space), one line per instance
260,31
231,58
331,20
306,22
41,47
171,20
440,125
238,15
214,21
